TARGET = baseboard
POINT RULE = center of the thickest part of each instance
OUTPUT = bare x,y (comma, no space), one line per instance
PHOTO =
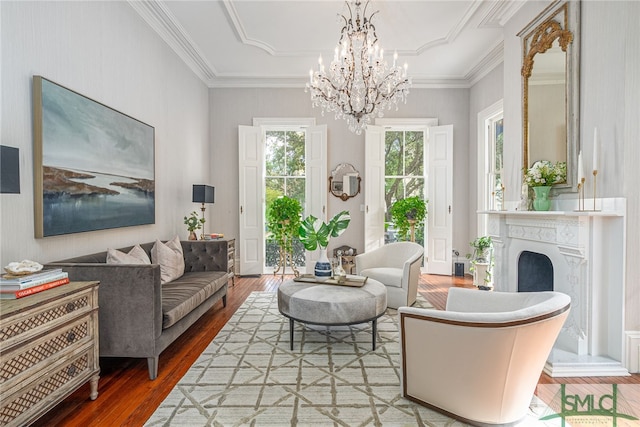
632,345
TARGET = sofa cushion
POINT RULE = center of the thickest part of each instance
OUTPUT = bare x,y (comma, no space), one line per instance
170,258
136,255
182,295
387,275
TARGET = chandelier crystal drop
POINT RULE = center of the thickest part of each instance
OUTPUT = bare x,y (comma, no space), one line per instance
359,84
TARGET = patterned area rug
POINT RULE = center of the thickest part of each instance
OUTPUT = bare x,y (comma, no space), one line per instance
248,376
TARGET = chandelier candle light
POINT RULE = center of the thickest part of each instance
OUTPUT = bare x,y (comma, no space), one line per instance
359,84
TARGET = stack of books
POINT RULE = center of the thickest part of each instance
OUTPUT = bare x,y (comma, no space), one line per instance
13,287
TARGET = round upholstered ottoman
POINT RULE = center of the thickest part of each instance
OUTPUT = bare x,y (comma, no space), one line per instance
322,304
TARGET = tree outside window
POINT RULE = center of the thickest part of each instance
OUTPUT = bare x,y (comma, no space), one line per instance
284,176
404,174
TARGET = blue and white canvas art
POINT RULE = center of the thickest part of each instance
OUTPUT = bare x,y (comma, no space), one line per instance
97,164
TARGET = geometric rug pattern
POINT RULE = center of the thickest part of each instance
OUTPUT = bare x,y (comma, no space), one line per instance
249,376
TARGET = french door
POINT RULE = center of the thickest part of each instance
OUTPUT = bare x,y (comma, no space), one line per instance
252,172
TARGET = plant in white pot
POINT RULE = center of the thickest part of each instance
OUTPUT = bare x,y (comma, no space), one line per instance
314,236
482,262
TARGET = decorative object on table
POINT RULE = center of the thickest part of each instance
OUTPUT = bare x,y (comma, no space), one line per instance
407,215
94,166
344,181
9,170
18,282
283,220
581,181
544,174
315,236
23,267
203,194
193,223
359,84
346,254
482,262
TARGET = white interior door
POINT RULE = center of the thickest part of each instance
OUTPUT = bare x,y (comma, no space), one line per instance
316,179
251,233
374,204
440,190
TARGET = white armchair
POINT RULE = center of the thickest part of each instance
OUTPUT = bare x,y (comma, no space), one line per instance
480,359
397,266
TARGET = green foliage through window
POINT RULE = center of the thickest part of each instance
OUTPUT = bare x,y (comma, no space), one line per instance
284,176
404,174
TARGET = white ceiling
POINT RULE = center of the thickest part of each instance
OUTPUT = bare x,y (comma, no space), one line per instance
268,43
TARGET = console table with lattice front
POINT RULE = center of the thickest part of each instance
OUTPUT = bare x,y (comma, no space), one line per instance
48,349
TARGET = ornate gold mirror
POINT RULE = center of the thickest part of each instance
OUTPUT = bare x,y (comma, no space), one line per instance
550,89
344,181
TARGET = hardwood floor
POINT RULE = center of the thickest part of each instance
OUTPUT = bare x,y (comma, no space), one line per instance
128,398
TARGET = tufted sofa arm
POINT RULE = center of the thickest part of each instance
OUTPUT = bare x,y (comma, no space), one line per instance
205,255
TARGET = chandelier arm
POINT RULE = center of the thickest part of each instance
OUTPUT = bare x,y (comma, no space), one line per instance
357,84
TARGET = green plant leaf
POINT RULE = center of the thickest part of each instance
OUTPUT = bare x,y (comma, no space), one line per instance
313,235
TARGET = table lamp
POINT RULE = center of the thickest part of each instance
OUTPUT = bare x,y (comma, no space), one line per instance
203,194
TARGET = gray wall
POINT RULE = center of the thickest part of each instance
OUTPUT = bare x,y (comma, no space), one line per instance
105,51
233,107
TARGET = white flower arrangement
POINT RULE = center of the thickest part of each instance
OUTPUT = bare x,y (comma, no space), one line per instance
545,173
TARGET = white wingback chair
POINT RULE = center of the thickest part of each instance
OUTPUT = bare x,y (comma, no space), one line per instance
397,266
480,359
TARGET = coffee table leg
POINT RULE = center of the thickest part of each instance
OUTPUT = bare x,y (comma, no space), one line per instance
374,324
291,333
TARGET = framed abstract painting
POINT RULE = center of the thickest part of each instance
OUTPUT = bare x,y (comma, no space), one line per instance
94,167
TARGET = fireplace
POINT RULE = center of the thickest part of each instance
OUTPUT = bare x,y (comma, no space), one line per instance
581,255
535,272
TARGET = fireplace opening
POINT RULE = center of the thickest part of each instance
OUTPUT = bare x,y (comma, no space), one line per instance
535,272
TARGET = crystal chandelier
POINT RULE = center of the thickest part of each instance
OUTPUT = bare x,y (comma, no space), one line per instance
359,84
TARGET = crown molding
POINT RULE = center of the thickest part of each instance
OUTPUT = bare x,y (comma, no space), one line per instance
490,61
162,21
498,13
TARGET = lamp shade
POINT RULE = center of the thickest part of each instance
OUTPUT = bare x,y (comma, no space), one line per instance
203,193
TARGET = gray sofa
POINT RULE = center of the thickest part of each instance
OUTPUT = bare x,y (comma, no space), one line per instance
139,317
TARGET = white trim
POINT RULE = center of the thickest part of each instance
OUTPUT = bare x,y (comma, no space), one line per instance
404,124
284,121
632,343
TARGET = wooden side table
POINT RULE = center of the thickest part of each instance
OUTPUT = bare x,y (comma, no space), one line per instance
48,349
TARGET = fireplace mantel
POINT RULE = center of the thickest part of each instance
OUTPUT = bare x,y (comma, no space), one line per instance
586,249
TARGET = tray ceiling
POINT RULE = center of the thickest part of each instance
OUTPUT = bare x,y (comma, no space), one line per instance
264,43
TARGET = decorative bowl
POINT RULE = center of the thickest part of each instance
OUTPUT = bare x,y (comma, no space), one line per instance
23,267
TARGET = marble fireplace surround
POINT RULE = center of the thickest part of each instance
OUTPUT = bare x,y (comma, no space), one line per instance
587,253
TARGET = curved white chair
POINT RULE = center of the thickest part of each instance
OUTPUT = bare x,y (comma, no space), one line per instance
397,266
480,359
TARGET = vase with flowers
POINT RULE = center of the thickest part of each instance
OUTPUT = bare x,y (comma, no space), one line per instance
540,177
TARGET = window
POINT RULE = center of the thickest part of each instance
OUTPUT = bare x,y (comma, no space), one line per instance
490,163
404,173
284,176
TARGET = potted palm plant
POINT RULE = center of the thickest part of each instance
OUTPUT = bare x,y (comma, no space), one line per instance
283,220
407,214
314,236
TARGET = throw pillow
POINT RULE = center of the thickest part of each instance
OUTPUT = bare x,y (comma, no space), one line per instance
170,257
136,255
